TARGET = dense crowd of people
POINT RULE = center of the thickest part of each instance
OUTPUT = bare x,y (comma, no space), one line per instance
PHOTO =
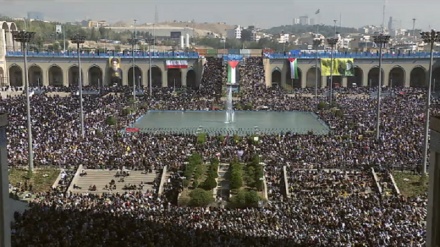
338,207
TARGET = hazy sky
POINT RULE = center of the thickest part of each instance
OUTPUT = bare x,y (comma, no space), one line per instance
262,13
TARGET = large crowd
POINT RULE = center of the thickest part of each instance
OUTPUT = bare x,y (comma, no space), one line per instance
336,207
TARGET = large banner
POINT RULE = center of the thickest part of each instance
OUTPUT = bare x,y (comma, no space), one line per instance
115,67
341,67
293,68
176,64
232,71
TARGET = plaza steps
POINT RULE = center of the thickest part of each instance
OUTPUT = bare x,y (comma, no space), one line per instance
100,178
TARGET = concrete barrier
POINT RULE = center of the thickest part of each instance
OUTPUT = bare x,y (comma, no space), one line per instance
376,179
394,184
55,184
75,178
286,183
162,180
265,194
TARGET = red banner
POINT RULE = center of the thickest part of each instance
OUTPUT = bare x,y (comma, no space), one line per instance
131,130
177,64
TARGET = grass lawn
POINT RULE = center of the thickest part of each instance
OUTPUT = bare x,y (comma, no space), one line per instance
410,184
41,180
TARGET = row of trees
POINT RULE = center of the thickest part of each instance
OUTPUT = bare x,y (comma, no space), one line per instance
202,196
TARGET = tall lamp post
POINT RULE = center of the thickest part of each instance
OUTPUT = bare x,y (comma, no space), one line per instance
332,42
133,42
316,43
80,39
430,38
25,37
380,40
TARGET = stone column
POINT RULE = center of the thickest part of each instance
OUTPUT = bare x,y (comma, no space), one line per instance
386,77
344,81
303,80
5,215
9,41
407,78
323,81
183,76
165,78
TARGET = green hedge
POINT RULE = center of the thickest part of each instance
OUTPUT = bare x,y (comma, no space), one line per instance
201,138
253,174
195,162
245,199
235,175
200,198
111,120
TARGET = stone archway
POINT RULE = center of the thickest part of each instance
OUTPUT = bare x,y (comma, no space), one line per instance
174,78
396,77
156,77
312,76
418,77
137,76
95,76
191,81
55,76
276,77
357,79
373,77
73,76
35,75
294,83
15,76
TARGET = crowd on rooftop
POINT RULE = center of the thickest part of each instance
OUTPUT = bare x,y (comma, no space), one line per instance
326,208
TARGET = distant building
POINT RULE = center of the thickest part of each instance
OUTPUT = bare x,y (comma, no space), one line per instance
304,20
390,25
36,16
284,38
234,33
295,21
312,21
97,24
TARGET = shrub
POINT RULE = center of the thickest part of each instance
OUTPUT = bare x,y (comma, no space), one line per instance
110,120
200,198
201,138
126,111
209,183
245,199
195,184
322,105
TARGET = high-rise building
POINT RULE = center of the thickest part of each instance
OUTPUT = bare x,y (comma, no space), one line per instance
390,25
304,20
34,15
312,21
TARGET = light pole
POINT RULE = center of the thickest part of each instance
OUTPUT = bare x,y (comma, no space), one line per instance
25,37
332,42
80,39
316,43
150,84
133,42
430,38
380,40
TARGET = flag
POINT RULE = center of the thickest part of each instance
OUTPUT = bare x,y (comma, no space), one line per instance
293,68
176,64
317,12
232,65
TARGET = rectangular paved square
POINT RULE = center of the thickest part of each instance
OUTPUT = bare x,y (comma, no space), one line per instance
246,122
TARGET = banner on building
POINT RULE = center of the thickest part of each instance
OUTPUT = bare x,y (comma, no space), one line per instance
115,67
176,64
341,67
232,71
293,68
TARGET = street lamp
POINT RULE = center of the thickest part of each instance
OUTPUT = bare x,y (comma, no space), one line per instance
133,42
380,40
80,39
25,37
430,38
316,43
332,42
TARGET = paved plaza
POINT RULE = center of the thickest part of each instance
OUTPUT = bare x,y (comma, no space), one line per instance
246,122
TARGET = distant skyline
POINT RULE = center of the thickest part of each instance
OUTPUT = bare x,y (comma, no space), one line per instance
264,14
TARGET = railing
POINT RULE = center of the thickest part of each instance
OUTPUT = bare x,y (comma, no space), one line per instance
231,54
363,55
186,55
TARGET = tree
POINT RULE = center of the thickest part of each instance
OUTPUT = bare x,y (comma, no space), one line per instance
209,183
200,198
